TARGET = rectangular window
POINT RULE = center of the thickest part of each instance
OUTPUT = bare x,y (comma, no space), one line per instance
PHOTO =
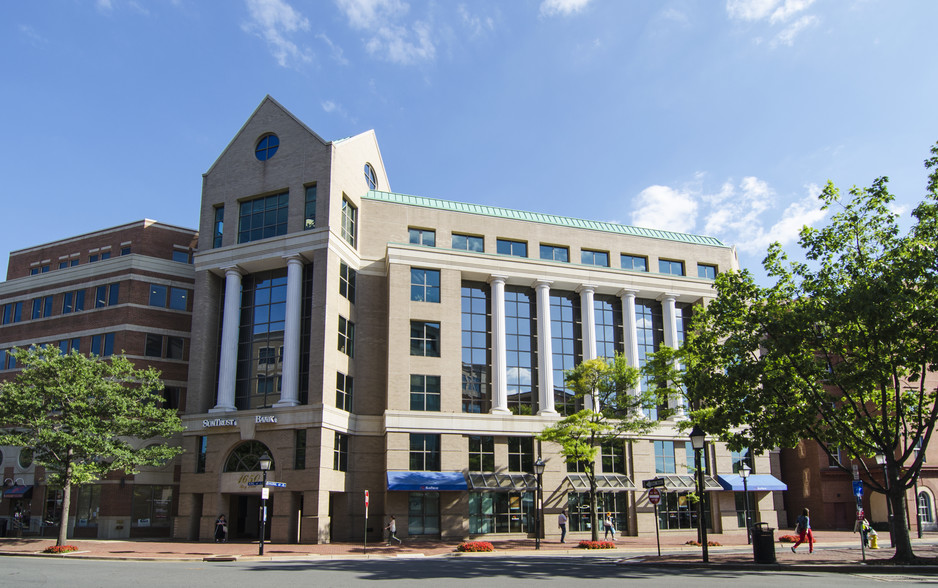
42,307
481,453
106,295
706,271
468,242
674,268
12,313
263,217
424,338
201,453
151,504
614,503
340,453
613,457
178,299
218,227
181,256
68,302
664,457
37,308
521,349
475,348
514,248
501,512
424,285
105,255
63,264
521,454
299,449
309,209
175,347
88,505
102,345
343,391
346,336
73,262
44,269
424,452
424,392
423,513
93,258
263,320
172,396
555,253
266,356
600,258
743,457
349,222
566,347
66,345
607,314
347,278
677,510
832,459
125,250
636,263
425,237
153,346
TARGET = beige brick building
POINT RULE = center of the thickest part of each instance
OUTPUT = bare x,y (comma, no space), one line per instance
412,347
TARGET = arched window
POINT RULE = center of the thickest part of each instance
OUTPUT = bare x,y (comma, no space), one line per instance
266,147
245,457
924,508
371,178
26,458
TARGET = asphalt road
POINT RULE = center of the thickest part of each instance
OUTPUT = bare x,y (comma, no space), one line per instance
411,572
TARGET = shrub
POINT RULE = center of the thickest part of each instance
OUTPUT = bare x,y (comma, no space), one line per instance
60,549
597,545
789,539
475,546
693,542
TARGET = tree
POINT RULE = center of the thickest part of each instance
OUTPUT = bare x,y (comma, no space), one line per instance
84,417
840,350
612,386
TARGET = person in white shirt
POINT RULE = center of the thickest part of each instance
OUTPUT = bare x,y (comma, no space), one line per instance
562,521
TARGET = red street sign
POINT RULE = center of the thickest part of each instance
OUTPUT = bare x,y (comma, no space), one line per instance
654,496
860,516
366,498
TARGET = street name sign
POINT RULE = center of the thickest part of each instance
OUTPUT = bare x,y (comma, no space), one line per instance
653,483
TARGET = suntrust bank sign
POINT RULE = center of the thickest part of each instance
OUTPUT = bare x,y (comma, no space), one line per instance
261,418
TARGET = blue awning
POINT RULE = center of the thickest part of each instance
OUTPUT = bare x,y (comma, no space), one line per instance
427,481
756,483
17,492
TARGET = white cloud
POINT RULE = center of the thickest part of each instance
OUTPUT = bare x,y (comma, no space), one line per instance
788,34
477,25
789,9
31,34
663,207
750,10
274,21
562,7
390,40
337,53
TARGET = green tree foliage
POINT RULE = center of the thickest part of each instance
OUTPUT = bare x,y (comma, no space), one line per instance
608,390
84,417
841,349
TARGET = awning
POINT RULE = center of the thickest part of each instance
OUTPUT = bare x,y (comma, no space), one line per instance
426,481
755,483
687,483
17,491
604,482
502,482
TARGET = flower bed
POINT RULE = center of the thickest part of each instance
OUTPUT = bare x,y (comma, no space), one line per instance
789,539
709,543
475,547
60,549
597,545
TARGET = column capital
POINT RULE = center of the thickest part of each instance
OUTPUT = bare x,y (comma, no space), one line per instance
585,288
627,293
233,269
294,257
667,296
542,283
497,278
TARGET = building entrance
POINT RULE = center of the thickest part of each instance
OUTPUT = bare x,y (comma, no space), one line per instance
245,516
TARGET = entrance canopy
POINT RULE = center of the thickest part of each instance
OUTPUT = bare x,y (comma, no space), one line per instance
604,482
17,491
503,482
756,483
427,481
674,483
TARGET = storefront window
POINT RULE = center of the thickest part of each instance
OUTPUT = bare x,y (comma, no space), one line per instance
501,512
678,510
151,506
423,513
88,503
615,503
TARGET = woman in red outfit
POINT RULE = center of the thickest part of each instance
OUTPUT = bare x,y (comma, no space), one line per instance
803,528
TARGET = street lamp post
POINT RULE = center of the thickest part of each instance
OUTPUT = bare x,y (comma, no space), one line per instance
918,508
539,466
744,473
881,460
697,440
265,462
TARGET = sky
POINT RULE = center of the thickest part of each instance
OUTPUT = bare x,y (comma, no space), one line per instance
719,118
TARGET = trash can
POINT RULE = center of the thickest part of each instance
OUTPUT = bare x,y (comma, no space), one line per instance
763,543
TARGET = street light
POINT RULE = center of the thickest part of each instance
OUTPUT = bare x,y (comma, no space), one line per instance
539,466
697,440
744,473
265,462
918,508
881,460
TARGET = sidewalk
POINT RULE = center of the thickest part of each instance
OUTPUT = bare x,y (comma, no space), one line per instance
834,551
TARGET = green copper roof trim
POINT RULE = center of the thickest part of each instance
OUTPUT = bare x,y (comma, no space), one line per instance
538,217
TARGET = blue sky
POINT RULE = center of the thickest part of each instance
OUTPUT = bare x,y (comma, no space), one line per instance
717,118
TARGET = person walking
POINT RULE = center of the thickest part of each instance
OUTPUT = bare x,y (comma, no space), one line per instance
607,525
803,528
392,531
221,529
562,522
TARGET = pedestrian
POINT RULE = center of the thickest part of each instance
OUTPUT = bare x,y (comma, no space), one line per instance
562,521
221,529
803,528
392,531
607,525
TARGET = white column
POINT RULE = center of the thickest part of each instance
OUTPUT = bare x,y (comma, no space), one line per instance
588,328
228,362
669,316
545,358
630,330
290,368
499,347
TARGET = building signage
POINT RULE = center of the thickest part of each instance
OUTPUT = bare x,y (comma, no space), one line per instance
262,418
220,423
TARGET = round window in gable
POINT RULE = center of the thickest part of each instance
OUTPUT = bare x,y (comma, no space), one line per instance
26,458
371,177
266,147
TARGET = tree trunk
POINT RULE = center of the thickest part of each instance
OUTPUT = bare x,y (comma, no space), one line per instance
593,514
900,531
66,501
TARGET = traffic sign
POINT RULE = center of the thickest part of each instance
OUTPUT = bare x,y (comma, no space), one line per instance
366,499
857,488
654,496
258,483
653,483
860,515
276,484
